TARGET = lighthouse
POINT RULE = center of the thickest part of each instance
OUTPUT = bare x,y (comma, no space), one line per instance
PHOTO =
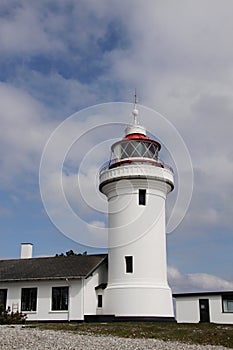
136,183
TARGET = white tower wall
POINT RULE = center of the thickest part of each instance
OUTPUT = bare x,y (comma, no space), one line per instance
138,231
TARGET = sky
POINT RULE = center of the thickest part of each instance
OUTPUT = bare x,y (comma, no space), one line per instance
59,58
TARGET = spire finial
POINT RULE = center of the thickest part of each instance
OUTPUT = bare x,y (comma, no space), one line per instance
135,110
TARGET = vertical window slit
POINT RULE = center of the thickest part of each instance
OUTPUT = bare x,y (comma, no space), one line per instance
100,300
142,197
129,264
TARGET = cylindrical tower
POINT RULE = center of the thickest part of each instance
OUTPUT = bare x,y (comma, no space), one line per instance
136,183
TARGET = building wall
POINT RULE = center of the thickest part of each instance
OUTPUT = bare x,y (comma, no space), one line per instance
44,310
187,310
82,297
90,294
216,313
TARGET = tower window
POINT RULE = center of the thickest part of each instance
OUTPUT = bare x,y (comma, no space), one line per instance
100,300
129,264
142,197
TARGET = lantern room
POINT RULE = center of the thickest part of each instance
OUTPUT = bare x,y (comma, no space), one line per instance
135,146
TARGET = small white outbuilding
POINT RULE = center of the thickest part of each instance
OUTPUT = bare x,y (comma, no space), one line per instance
214,307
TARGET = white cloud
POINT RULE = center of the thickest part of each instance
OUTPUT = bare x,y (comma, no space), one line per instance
53,27
198,282
23,132
99,224
62,96
99,232
27,30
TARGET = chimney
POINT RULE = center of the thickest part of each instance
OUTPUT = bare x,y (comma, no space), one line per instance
26,250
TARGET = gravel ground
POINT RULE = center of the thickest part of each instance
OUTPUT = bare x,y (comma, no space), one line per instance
23,338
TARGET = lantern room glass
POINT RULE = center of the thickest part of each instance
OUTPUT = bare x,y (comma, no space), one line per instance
135,149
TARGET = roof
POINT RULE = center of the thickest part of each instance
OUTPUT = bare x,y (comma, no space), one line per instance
197,294
101,286
60,267
137,136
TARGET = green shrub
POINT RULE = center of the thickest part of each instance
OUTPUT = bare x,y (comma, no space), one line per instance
10,317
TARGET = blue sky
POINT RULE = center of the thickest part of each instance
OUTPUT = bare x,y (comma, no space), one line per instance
59,57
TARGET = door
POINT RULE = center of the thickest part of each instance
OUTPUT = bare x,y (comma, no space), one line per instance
204,310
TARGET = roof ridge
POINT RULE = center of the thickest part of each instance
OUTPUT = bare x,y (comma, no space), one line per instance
53,256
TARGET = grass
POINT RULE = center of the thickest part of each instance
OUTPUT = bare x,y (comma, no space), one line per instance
203,333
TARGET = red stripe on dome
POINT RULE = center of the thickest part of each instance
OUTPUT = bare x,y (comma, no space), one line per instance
136,137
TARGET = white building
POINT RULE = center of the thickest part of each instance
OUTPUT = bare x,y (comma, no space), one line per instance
62,288
215,307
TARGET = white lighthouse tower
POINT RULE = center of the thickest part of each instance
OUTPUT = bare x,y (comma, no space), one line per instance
136,183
